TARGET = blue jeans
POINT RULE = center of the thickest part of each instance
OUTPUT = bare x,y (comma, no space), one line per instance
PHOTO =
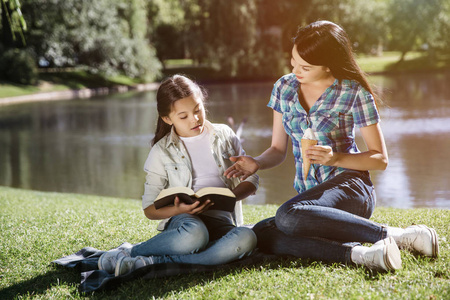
324,222
198,239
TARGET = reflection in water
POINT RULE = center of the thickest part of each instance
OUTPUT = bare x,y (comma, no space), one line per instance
99,146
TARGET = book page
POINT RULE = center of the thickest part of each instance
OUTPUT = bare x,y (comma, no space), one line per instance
214,190
175,190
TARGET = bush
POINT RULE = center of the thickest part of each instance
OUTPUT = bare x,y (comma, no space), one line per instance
18,66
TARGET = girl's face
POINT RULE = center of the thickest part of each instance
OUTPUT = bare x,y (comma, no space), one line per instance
305,72
187,116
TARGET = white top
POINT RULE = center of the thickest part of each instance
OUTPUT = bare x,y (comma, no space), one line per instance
204,169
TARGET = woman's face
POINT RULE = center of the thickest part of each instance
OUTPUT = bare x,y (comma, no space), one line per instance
305,72
187,116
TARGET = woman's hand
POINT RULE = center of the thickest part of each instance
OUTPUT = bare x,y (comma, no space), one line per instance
322,155
194,208
244,167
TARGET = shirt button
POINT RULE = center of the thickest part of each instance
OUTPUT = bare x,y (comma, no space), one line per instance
220,166
182,156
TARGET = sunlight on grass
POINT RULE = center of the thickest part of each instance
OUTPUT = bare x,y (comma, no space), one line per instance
38,227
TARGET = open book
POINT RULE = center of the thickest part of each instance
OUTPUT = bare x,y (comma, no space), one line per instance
223,198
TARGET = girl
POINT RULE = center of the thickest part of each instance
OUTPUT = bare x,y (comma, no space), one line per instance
188,151
329,93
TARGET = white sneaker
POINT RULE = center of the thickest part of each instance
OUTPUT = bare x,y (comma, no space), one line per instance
383,255
421,239
126,265
108,260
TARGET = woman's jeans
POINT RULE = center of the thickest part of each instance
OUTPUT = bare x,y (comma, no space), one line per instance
186,239
324,222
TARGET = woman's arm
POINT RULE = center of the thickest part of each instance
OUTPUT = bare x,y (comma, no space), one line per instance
375,158
273,156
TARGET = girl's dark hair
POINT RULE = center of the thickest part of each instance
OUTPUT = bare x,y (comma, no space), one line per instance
171,90
324,43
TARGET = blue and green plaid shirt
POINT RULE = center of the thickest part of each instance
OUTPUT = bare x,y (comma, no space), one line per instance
333,118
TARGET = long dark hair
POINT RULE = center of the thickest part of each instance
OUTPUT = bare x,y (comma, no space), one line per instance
173,89
324,43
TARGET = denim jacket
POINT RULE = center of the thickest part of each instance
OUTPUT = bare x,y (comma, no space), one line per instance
168,164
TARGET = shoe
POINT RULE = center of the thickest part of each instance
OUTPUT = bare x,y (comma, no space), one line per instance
108,260
421,239
127,265
383,255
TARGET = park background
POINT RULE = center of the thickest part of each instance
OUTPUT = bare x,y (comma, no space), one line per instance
237,49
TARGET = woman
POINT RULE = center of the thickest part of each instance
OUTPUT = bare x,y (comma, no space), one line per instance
329,94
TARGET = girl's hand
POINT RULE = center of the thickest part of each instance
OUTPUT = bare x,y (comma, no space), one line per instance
322,155
244,167
194,208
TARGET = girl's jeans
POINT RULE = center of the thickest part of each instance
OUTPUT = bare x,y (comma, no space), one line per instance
186,239
324,222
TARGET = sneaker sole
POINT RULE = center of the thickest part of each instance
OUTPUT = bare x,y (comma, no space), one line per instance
101,265
434,240
117,269
392,257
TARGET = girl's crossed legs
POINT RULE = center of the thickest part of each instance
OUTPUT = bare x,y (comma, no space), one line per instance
198,240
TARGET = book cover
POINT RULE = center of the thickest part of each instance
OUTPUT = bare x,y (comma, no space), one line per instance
223,198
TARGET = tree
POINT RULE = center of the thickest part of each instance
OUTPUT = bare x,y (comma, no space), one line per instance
108,37
13,23
412,22
224,35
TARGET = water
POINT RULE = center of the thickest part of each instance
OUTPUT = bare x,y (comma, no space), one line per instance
98,146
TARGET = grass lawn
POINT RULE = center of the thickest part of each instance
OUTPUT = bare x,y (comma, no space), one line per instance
57,81
38,227
64,80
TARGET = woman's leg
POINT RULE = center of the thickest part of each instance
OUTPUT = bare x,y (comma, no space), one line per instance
337,209
272,240
184,234
383,255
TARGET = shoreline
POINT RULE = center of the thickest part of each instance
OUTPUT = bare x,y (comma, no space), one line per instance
76,94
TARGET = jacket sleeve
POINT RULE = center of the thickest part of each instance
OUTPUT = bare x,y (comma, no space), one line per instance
156,178
254,179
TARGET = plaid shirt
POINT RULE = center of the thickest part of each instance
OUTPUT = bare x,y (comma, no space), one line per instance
333,118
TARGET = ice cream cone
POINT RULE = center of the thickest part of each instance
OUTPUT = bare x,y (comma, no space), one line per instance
306,162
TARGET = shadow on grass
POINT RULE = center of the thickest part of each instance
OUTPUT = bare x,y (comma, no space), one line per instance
40,284
421,64
144,288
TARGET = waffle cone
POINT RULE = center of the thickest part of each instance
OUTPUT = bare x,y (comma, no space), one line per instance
306,161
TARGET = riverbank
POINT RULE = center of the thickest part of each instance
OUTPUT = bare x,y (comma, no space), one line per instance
38,227
63,85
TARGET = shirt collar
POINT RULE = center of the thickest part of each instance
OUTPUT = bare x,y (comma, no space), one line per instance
175,139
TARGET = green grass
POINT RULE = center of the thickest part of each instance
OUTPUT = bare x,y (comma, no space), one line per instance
413,62
38,227
64,80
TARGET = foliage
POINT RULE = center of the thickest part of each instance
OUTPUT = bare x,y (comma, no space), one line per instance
253,37
17,65
13,22
104,36
218,34
413,23
38,227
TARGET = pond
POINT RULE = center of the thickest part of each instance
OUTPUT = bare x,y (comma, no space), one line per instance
99,145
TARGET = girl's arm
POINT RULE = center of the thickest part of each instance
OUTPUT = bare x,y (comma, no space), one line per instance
244,189
178,208
375,158
273,156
